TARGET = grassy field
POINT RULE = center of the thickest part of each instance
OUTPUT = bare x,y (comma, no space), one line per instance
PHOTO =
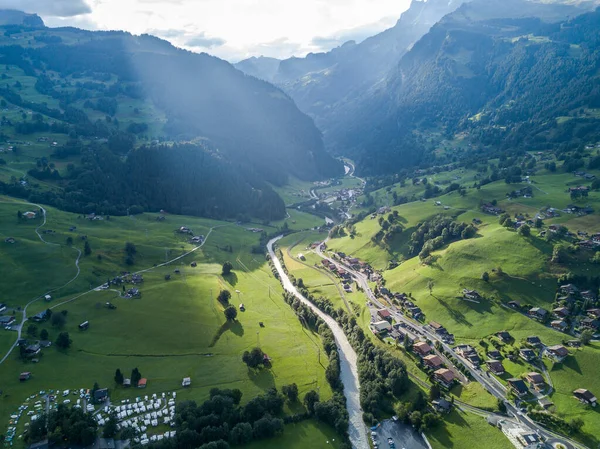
176,329
576,372
462,430
527,276
312,434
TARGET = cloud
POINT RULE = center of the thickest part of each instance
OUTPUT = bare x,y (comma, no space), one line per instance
53,8
203,41
168,33
357,34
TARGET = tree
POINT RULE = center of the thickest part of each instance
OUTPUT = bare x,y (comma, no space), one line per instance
485,276
118,377
559,253
87,249
586,336
224,296
19,215
575,425
254,358
63,341
407,343
291,391
429,421
501,406
525,230
130,252
44,334
110,428
69,240
415,419
58,320
230,313
310,399
538,223
227,267
434,392
241,433
32,330
430,286
135,376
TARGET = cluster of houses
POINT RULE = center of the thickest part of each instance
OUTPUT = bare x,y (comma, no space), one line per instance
525,192
572,209
491,209
184,230
582,174
561,318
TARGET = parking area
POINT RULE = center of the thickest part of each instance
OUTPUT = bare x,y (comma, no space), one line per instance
402,436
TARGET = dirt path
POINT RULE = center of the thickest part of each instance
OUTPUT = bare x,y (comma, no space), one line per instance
24,312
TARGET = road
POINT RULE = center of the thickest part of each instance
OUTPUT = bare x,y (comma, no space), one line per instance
490,383
348,359
24,312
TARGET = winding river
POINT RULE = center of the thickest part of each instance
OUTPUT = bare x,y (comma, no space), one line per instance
348,360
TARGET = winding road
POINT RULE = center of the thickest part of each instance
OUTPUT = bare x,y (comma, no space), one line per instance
37,231
348,359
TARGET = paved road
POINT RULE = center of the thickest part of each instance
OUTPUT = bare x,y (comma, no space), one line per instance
348,359
490,383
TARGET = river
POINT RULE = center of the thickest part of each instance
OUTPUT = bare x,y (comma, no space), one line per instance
348,360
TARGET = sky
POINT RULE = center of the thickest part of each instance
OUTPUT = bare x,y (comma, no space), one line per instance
229,29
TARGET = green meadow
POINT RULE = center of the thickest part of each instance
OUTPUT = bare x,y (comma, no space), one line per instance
175,329
462,430
526,275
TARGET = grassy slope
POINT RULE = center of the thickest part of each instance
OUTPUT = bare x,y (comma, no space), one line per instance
576,372
168,332
460,429
528,278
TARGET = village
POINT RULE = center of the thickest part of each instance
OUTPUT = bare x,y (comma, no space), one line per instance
397,320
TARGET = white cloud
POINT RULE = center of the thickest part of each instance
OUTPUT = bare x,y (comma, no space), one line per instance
236,29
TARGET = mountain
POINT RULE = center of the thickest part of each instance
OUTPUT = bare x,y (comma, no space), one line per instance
13,17
323,84
130,90
501,74
262,68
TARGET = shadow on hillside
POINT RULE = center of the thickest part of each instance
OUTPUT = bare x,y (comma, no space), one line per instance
231,279
455,314
262,378
233,326
572,363
540,245
443,436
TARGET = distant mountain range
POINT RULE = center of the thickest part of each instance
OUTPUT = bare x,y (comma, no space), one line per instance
324,84
388,101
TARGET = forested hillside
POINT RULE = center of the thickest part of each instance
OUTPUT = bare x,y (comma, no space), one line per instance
96,97
513,76
324,85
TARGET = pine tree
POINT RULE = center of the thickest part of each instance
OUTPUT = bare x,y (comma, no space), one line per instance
118,377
